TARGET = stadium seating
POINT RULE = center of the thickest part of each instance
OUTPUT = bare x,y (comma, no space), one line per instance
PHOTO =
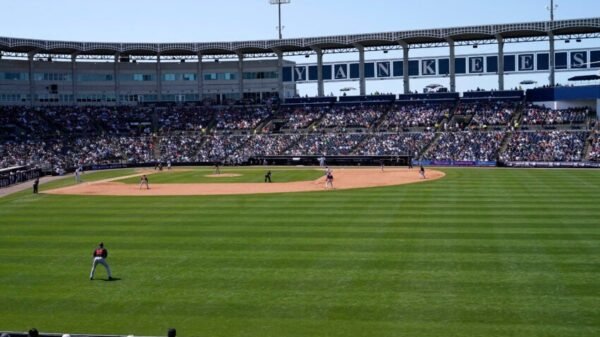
389,144
466,146
536,115
594,154
60,138
567,146
404,116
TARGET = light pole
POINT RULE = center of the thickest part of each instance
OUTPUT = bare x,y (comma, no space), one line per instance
551,77
551,8
279,3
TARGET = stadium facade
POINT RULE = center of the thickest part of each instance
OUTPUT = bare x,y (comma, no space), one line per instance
126,82
63,72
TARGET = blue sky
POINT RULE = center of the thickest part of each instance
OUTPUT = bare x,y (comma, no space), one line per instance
234,20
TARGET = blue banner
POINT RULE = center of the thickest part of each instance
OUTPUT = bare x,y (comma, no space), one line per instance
537,164
457,163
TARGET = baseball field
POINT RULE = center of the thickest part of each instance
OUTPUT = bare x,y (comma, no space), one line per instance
479,252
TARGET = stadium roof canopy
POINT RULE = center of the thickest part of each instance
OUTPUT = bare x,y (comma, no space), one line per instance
438,37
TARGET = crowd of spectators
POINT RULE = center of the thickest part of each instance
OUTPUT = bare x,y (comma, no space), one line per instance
300,117
536,115
388,144
466,146
241,118
403,116
180,148
489,113
545,146
65,137
22,123
63,153
185,118
594,154
328,144
266,145
27,152
90,121
352,116
221,148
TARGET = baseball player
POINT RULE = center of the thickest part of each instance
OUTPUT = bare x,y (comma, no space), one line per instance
36,185
422,172
78,175
268,177
100,254
329,179
144,181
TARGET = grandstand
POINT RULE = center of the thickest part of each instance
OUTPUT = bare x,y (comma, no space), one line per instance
486,131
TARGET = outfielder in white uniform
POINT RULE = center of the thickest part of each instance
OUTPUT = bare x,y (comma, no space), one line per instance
100,254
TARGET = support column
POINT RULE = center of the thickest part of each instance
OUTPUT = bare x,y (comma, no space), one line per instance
405,74
361,70
158,79
500,62
200,78
551,78
452,65
241,75
30,57
280,76
116,70
74,78
320,85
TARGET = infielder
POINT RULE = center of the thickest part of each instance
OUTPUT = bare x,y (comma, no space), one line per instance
329,180
422,172
144,181
100,254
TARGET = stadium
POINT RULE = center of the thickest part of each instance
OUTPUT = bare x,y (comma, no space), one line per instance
229,203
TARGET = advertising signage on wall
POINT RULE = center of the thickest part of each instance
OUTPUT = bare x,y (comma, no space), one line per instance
464,65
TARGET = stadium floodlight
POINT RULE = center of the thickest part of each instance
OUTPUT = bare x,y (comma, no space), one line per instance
279,3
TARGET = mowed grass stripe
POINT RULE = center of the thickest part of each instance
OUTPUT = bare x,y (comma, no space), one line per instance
420,309
424,250
482,251
340,235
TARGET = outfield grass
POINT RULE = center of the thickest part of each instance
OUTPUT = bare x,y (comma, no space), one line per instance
206,175
482,252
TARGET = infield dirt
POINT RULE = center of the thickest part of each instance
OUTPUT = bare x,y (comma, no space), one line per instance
344,178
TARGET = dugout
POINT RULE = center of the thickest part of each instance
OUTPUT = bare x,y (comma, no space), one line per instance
18,174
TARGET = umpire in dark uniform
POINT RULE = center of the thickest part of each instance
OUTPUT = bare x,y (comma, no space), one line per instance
268,176
36,184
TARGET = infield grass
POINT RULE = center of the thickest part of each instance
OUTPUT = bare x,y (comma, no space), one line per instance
481,252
